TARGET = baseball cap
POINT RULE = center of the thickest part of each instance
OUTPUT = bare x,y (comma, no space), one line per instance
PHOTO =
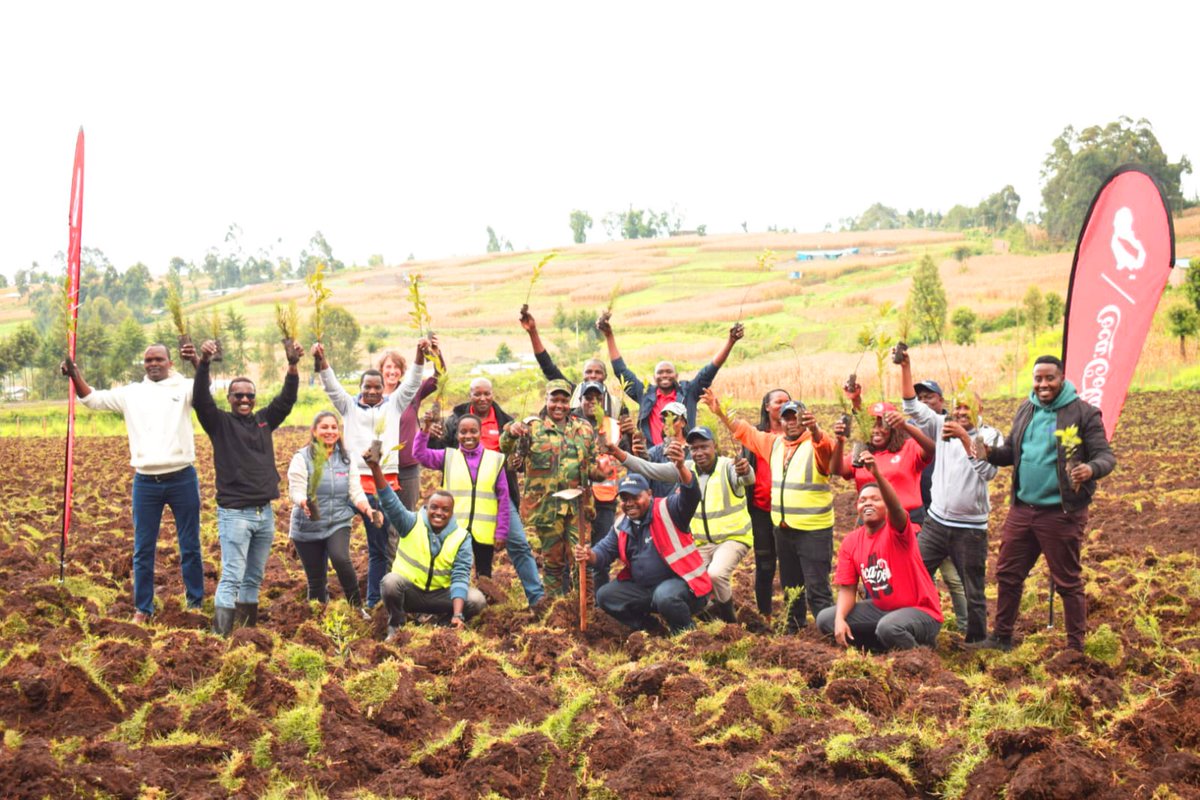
676,408
792,407
879,409
700,431
929,386
590,386
555,386
633,484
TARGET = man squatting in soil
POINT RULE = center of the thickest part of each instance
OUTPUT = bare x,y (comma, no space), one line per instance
162,451
247,481
664,571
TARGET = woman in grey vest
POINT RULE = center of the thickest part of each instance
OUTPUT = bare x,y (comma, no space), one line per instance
325,491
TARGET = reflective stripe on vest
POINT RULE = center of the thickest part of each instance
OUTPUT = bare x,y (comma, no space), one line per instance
800,494
683,559
722,514
415,562
475,502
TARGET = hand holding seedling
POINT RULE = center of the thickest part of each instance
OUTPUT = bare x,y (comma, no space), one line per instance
868,462
900,355
188,353
437,430
1081,474
893,419
604,324
208,350
638,444
742,467
674,452
318,354
840,430
809,420
294,352
527,321
626,425
737,332
517,429
427,421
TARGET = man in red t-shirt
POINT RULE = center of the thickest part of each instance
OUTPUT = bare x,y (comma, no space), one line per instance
902,609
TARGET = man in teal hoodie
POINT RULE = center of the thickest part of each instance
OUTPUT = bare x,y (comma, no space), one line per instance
1052,485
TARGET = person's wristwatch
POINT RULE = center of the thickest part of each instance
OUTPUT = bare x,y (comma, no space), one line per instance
460,616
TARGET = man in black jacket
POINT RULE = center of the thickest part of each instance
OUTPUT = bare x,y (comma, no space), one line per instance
1058,450
247,481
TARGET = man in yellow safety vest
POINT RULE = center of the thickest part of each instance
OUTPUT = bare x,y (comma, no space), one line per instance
432,570
801,501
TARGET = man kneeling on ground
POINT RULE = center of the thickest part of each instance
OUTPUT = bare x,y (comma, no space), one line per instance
902,609
432,570
664,571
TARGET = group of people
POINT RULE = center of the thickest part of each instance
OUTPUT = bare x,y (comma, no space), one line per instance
688,513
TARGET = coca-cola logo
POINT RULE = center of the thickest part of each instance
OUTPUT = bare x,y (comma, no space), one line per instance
1091,388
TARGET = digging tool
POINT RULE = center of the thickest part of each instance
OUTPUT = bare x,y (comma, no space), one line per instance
577,496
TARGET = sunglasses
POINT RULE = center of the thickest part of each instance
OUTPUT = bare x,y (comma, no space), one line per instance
242,395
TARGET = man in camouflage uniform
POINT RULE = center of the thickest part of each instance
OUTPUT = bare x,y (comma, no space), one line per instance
560,453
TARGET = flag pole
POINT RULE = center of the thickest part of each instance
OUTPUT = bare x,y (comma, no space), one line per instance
75,224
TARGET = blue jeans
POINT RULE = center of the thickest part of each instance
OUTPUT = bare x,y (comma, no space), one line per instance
521,556
631,603
181,491
378,551
246,535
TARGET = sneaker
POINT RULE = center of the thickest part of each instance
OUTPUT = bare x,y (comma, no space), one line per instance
139,618
392,635
364,613
990,643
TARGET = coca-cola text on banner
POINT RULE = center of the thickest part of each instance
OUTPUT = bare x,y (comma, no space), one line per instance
1125,252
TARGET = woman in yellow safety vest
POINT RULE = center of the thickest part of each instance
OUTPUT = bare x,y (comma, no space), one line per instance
474,477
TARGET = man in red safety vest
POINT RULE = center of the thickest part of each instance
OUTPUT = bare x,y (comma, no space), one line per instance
664,572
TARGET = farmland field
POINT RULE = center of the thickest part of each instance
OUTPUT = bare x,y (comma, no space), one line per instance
312,703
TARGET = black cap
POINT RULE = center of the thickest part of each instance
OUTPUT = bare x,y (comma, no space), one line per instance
589,386
700,432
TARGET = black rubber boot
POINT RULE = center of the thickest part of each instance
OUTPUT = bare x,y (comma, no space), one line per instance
245,615
723,611
222,623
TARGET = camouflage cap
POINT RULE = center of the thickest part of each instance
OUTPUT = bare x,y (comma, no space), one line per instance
555,386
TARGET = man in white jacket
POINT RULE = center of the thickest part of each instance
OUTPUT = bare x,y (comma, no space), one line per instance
158,418
956,524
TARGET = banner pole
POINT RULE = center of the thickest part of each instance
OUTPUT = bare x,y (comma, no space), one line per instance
75,224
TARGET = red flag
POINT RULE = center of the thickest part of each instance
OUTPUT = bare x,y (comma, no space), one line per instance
1122,261
75,222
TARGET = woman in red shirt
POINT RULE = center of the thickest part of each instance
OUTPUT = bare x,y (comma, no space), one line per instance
902,609
901,450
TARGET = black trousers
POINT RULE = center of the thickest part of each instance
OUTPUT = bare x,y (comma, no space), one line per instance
316,558
805,561
764,558
967,549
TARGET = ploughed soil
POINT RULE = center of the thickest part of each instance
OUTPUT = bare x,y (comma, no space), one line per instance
313,701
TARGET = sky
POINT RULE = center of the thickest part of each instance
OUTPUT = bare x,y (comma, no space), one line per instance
404,128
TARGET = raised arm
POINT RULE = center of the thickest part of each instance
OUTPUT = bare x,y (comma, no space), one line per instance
407,390
895,419
281,404
549,368
621,370
341,399
202,400
897,516
735,333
